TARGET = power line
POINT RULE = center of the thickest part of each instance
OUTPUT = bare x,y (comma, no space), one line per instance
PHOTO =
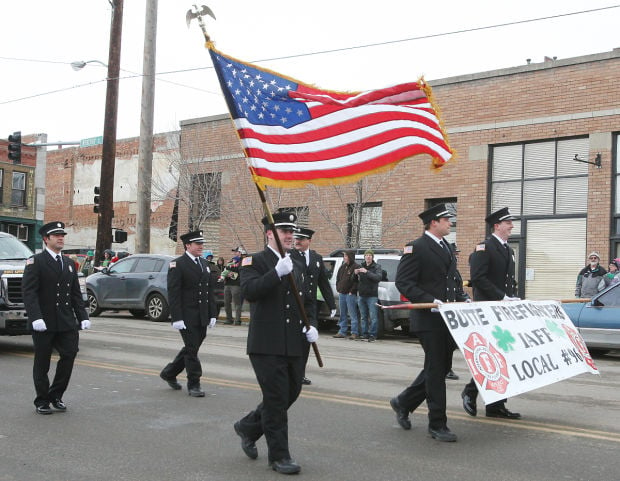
308,54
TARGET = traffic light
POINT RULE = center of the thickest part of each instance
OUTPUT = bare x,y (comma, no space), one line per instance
96,200
15,147
120,236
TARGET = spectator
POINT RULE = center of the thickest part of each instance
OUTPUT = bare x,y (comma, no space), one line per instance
87,267
346,285
232,288
369,274
589,277
613,276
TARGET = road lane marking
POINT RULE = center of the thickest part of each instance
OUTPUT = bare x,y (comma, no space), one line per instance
383,404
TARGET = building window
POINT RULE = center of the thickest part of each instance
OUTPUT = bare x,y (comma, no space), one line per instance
615,227
18,193
540,178
1,186
18,230
205,198
365,225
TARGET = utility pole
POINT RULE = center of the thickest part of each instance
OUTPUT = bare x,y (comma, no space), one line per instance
145,155
108,152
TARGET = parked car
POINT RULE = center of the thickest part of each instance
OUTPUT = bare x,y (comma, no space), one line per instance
378,250
598,321
388,294
137,283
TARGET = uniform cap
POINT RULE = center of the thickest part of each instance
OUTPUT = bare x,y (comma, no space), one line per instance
281,220
195,236
435,213
53,228
499,216
303,233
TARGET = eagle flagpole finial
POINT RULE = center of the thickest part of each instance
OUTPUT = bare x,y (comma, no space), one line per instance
198,13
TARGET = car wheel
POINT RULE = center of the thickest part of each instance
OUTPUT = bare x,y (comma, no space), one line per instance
139,313
92,305
157,308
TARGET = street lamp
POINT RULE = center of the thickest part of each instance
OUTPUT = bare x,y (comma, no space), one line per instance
80,64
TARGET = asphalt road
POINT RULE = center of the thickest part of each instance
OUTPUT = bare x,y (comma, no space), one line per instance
124,423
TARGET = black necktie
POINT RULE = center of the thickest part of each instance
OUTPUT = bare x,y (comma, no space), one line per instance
445,246
303,254
198,263
59,261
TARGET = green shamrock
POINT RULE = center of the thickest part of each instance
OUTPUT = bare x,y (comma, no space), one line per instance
553,327
504,339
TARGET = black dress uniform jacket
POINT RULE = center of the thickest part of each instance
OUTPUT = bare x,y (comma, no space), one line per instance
52,295
190,292
492,268
315,277
426,274
275,321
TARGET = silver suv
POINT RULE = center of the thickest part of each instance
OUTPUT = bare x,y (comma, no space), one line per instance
390,319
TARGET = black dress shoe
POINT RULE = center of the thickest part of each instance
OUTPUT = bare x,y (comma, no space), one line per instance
248,446
402,415
286,466
195,391
469,404
451,375
306,381
172,382
59,405
442,434
44,409
502,413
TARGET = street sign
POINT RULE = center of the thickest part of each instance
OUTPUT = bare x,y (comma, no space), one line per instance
91,141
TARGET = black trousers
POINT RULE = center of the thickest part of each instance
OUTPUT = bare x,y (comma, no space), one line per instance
472,391
279,378
430,384
187,358
66,344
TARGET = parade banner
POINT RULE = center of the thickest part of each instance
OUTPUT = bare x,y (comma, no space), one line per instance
512,347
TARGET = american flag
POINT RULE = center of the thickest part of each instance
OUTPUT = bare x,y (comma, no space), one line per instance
294,134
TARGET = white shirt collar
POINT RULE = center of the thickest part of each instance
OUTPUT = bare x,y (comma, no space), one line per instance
434,237
275,251
52,253
501,241
193,258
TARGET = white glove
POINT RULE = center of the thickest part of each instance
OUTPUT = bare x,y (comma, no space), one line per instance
311,334
85,324
438,302
212,323
506,298
284,266
179,325
39,325
332,313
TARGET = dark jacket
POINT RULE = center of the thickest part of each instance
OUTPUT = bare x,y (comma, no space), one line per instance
492,269
275,322
190,293
346,279
315,277
427,272
368,282
52,295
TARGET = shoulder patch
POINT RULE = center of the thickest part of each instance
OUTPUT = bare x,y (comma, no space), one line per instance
172,265
481,247
407,249
247,261
30,261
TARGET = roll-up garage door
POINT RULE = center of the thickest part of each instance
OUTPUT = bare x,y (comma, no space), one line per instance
555,253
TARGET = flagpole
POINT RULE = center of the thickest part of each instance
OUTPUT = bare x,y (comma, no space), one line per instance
290,277
197,13
432,305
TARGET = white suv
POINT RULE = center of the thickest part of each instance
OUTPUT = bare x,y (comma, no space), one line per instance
388,294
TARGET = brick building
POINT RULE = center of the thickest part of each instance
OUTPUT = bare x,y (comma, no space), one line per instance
20,185
517,132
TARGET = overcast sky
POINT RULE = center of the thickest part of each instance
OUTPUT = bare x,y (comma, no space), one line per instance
39,39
